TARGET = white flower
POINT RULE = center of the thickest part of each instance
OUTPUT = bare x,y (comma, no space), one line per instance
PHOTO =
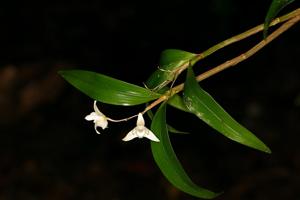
140,131
100,120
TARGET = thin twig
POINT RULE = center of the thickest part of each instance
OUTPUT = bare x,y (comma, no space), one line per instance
291,18
122,120
231,62
246,34
237,38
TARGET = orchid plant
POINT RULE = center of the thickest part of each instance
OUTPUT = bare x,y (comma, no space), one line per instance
160,89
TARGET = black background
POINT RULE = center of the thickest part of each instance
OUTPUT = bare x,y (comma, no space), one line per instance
47,149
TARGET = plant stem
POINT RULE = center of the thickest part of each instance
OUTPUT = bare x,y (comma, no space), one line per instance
291,21
237,38
122,120
246,34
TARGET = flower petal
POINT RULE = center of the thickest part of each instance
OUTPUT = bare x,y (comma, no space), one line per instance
97,110
131,135
150,135
91,116
95,127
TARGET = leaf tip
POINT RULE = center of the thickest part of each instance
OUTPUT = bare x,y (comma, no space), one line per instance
61,72
264,148
267,150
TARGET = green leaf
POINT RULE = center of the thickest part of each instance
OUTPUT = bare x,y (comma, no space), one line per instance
207,109
167,161
106,89
170,128
177,102
174,130
274,9
170,61
171,58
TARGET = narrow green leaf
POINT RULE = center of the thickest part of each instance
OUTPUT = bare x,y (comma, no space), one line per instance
177,102
174,57
274,9
108,90
167,161
207,109
170,60
170,128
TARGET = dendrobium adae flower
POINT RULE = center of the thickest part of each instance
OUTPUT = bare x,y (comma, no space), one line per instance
140,131
99,119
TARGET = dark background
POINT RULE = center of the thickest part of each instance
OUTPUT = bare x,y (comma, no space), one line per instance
48,151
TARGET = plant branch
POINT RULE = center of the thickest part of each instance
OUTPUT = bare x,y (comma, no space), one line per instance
293,20
237,38
246,34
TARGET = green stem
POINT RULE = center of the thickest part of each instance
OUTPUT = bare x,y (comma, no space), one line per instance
244,35
292,18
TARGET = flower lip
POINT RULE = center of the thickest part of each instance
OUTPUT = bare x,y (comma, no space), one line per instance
140,131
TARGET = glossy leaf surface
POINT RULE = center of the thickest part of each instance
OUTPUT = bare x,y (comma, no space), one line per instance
167,161
108,90
207,109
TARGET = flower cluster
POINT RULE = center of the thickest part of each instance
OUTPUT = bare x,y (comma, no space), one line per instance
140,131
